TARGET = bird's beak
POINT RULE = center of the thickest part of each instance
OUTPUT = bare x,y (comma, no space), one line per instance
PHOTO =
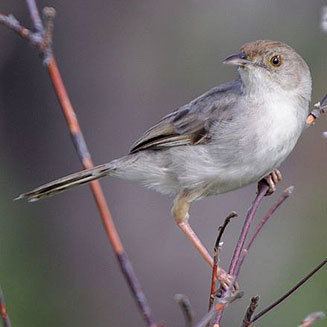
238,59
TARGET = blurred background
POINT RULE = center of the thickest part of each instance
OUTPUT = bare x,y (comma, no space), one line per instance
126,64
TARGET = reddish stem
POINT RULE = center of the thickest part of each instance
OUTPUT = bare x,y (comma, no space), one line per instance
263,188
107,221
285,195
42,41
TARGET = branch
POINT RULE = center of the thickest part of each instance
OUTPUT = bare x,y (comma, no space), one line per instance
186,308
238,252
285,195
13,24
207,317
216,252
229,296
291,291
35,16
320,108
250,311
42,40
3,310
49,15
262,190
220,305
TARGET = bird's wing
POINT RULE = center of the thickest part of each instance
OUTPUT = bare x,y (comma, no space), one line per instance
190,124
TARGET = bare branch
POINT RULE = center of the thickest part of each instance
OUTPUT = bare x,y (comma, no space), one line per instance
49,14
250,311
216,252
219,306
13,24
35,15
263,188
291,291
186,308
285,195
229,296
320,108
221,229
42,40
312,318
207,318
238,252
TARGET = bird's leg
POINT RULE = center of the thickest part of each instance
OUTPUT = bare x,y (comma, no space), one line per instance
272,180
180,211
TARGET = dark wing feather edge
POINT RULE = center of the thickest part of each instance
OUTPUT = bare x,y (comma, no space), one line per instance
190,124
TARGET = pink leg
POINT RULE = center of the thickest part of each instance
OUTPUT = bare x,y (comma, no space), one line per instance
190,234
180,211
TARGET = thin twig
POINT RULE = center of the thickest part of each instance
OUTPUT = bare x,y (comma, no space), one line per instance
3,310
312,318
291,291
320,108
219,306
216,252
285,195
228,296
49,14
238,251
221,230
250,311
13,24
207,318
42,40
262,190
186,308
35,15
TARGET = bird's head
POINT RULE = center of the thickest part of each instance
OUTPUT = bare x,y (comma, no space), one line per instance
272,65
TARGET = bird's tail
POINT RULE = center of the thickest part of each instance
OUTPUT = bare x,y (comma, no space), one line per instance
68,182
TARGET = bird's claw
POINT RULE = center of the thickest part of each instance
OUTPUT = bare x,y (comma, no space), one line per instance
272,180
228,284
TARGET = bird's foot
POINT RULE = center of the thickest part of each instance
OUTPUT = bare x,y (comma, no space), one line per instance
227,282
272,180
229,289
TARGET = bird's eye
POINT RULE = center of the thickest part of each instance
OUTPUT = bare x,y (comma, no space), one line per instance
276,61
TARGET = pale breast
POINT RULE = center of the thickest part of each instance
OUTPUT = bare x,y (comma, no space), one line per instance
280,129
245,149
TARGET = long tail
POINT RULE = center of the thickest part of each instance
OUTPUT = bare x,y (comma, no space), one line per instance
68,182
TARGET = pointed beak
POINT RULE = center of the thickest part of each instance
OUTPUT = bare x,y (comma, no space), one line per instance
238,59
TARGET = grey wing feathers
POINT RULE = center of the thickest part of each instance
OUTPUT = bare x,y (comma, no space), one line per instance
190,124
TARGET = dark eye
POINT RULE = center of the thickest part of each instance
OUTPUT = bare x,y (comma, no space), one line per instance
276,61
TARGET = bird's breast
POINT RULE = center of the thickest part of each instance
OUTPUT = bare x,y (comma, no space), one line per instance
278,124
241,150
256,142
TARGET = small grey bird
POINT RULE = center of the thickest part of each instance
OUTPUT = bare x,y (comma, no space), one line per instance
235,134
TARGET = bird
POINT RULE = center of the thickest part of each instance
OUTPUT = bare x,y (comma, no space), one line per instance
235,134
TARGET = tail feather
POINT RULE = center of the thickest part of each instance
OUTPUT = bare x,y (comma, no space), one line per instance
66,182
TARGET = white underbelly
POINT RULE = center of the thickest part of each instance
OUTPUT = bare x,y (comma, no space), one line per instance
253,153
